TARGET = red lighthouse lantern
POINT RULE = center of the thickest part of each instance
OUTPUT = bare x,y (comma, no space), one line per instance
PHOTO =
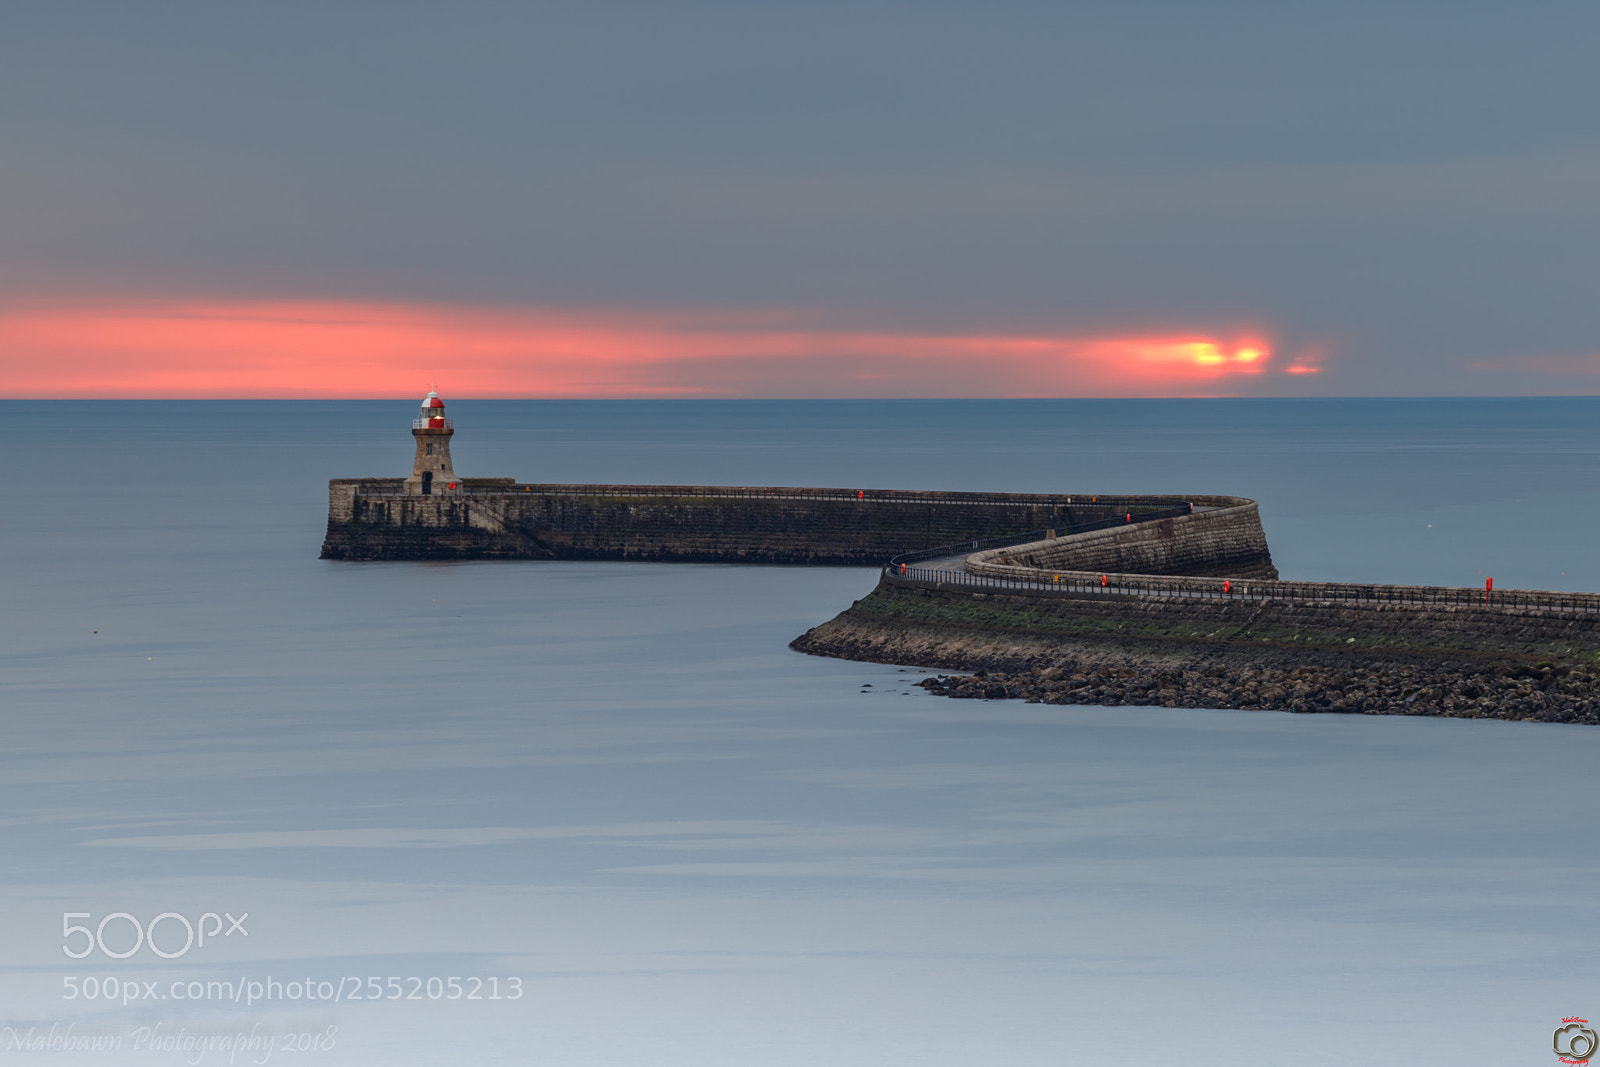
432,471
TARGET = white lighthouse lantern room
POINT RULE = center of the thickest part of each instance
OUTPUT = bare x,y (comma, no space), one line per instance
432,472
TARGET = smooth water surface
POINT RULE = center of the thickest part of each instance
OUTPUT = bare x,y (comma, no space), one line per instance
614,784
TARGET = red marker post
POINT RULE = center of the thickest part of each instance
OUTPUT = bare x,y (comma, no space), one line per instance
1488,587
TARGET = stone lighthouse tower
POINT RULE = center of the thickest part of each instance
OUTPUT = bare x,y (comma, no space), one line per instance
432,471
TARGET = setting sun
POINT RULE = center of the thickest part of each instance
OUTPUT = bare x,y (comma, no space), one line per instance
331,349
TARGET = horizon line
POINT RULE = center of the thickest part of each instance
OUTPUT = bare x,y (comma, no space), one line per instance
470,398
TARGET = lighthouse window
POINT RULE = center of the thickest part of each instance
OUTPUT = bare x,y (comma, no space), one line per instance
430,450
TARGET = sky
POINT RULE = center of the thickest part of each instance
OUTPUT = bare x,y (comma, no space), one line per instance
820,199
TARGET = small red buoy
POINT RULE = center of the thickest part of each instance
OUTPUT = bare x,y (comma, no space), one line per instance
902,568
1130,516
452,485
861,494
1227,586
1103,581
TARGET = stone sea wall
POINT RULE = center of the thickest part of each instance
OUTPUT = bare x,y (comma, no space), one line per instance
1223,538
370,519
1331,656
1137,612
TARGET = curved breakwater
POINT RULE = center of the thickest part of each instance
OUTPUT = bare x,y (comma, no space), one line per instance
1036,622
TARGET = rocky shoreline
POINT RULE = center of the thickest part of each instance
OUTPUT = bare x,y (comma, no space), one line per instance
1295,658
1553,693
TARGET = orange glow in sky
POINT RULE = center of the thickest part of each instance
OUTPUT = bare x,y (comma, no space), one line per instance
329,349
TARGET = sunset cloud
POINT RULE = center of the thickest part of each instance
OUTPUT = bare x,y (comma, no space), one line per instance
332,349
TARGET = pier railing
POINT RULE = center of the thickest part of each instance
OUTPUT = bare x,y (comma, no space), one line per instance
391,488
1084,583
882,496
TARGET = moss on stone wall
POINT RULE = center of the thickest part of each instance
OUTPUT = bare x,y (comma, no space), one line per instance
1228,654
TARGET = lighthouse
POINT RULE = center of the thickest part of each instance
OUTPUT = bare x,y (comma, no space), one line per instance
432,472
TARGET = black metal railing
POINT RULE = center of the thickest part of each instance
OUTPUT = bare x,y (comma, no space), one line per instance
1082,583
870,496
881,496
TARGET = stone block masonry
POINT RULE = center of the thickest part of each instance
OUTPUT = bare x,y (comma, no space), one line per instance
374,519
1223,538
1426,652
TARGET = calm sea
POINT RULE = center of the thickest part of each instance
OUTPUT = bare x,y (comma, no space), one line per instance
666,839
